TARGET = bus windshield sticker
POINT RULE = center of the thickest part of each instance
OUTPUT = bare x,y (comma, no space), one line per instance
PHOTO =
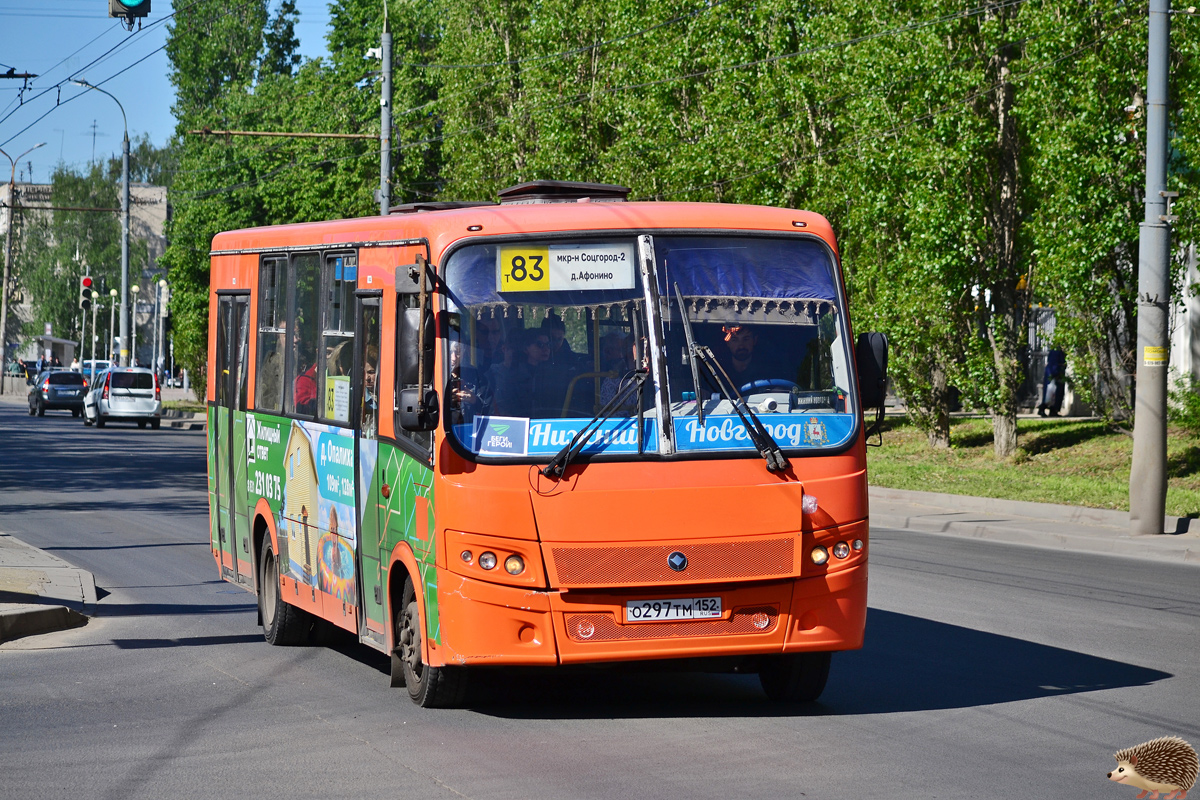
500,436
564,267
726,431
517,436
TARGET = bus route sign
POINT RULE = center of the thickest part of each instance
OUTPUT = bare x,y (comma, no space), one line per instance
564,267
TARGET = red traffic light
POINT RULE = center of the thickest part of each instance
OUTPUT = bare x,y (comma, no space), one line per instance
85,292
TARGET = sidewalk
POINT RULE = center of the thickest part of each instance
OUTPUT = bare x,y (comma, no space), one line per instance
40,593
1084,530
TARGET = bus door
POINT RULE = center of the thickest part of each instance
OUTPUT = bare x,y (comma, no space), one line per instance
233,344
366,423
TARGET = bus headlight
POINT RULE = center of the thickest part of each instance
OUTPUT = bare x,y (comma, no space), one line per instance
819,555
487,560
841,550
514,565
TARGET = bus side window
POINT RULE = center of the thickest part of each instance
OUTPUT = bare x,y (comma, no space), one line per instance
340,274
272,333
422,439
302,323
369,414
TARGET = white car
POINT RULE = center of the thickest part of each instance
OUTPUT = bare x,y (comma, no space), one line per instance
124,394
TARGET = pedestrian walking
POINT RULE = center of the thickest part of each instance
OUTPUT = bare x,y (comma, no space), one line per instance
1052,383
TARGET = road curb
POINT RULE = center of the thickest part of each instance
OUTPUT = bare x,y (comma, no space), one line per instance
17,621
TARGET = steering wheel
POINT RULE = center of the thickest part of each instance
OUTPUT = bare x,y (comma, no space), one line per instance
769,385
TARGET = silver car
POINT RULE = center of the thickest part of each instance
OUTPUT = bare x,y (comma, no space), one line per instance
122,394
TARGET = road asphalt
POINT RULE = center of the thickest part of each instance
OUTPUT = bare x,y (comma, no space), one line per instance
41,593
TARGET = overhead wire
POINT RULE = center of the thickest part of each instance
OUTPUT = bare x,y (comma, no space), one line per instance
123,43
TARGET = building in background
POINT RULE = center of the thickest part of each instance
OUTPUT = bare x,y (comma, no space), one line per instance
148,214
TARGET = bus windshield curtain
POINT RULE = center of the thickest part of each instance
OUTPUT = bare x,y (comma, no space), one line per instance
745,267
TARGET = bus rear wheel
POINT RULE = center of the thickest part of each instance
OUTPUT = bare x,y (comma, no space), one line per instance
283,623
794,677
428,687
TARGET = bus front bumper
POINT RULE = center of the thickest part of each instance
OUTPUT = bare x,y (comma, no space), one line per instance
485,623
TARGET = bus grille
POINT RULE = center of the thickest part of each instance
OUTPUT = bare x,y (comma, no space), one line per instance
741,559
602,627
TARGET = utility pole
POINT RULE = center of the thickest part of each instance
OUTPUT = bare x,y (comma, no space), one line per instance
385,120
1148,473
12,218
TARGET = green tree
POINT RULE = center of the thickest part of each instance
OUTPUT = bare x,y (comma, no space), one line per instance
58,247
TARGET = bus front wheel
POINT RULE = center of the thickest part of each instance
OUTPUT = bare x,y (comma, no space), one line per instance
794,677
283,623
428,687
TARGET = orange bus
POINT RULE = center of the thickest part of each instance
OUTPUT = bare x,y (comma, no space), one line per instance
563,428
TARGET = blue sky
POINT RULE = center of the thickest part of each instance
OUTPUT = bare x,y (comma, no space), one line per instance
60,39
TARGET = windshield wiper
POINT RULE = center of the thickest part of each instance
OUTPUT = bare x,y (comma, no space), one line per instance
691,352
763,441
558,464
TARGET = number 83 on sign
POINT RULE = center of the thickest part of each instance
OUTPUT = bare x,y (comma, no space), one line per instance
524,269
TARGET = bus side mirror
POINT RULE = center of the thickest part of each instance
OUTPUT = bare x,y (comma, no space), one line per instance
409,344
871,353
418,413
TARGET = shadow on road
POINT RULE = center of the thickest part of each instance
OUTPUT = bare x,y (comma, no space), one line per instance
98,461
908,664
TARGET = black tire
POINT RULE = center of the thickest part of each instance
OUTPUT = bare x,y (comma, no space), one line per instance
99,421
87,423
154,423
283,623
74,412
141,423
794,677
41,410
428,687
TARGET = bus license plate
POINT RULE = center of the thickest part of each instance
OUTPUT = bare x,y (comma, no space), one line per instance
659,610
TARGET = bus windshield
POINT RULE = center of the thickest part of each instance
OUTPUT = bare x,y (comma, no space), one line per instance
541,336
769,312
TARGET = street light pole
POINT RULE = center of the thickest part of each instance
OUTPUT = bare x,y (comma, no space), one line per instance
95,303
112,307
12,209
124,222
131,361
160,311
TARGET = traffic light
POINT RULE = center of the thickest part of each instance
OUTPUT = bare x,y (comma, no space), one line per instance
129,9
85,293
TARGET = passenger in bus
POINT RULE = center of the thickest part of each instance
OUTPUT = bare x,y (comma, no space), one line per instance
561,354
304,388
337,358
617,357
523,385
370,404
469,390
489,342
270,373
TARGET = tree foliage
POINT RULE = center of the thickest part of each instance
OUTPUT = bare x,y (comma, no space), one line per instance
977,160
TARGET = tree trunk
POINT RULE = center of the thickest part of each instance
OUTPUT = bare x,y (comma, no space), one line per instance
1005,319
939,434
